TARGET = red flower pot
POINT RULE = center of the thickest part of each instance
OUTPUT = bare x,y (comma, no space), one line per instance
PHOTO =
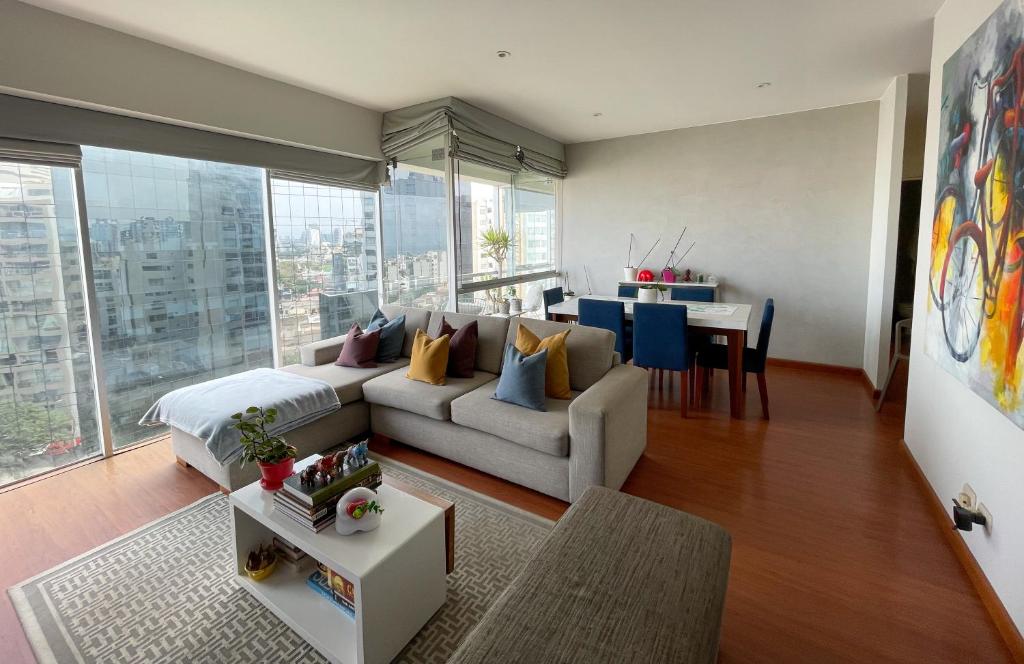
274,474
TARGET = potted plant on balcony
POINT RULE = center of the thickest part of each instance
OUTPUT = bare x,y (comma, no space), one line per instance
272,454
495,243
515,303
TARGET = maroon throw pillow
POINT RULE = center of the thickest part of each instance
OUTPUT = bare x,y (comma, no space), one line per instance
360,349
461,349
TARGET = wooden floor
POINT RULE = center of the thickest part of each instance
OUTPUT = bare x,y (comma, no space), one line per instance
836,556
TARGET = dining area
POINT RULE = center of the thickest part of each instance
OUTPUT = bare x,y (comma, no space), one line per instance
678,334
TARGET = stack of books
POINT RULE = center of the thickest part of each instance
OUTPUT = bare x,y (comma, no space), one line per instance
314,507
290,554
334,587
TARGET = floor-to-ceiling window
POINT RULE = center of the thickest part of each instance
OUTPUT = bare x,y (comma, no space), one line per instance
180,270
326,253
47,401
506,227
414,229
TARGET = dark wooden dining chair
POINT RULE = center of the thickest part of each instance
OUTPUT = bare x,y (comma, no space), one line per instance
716,356
609,315
660,342
693,293
552,296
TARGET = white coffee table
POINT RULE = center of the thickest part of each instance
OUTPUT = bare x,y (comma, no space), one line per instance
398,571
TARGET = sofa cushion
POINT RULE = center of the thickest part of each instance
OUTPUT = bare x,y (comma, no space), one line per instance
461,348
522,379
434,401
360,349
429,362
346,381
556,374
546,431
590,349
392,335
415,319
491,333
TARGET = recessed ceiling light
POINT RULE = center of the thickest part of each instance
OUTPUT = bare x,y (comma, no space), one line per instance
504,54
597,115
764,84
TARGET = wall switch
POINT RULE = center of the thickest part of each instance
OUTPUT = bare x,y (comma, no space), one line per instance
982,510
968,499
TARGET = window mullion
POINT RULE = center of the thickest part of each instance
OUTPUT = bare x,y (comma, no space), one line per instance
93,316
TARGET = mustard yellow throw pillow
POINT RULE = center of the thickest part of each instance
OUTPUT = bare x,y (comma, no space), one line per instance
429,358
556,374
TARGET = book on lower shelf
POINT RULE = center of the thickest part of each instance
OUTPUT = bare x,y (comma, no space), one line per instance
334,587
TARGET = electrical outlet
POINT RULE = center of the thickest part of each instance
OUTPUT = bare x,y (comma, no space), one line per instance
968,499
982,510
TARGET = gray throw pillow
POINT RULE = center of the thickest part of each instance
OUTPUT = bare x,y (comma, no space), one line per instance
392,335
522,379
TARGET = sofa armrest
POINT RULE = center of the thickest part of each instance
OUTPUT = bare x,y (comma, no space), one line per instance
607,430
321,352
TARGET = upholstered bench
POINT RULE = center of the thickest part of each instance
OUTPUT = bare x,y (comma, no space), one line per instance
619,579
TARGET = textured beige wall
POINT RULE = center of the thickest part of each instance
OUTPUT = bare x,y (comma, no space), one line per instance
779,207
47,55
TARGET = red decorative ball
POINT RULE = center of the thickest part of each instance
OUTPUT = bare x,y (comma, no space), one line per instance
645,275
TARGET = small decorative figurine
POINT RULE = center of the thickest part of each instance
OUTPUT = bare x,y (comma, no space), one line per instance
260,563
307,477
688,276
358,510
326,466
356,456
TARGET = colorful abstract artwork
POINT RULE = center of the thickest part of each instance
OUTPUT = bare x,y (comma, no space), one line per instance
975,321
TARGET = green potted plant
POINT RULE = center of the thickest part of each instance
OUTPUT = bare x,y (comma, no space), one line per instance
272,454
515,303
650,292
495,244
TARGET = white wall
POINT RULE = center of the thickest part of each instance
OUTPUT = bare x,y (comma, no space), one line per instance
50,56
953,433
892,118
779,207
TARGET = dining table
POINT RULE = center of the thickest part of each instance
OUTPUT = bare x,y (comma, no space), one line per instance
725,319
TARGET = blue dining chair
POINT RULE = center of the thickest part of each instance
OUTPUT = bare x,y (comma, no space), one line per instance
693,293
660,342
628,291
552,296
609,315
716,356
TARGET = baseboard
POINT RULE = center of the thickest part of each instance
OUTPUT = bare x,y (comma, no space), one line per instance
996,610
814,366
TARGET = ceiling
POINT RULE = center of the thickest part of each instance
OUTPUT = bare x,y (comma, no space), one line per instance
644,65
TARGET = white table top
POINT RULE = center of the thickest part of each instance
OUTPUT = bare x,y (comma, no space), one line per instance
404,516
723,315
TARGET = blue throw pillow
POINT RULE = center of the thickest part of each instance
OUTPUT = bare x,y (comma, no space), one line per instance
522,379
392,335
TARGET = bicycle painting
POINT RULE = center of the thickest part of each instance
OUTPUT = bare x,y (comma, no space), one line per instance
975,323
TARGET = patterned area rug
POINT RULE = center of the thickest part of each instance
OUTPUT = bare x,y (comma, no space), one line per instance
165,593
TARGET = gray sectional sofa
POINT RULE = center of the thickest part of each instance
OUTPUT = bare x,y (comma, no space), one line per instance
593,439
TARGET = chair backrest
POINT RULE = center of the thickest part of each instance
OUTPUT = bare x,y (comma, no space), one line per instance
765,334
552,296
608,315
693,293
628,291
659,336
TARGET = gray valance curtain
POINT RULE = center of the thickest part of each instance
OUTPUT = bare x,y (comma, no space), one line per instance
41,121
38,152
476,136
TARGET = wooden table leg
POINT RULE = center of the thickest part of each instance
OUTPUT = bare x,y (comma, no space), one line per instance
736,343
